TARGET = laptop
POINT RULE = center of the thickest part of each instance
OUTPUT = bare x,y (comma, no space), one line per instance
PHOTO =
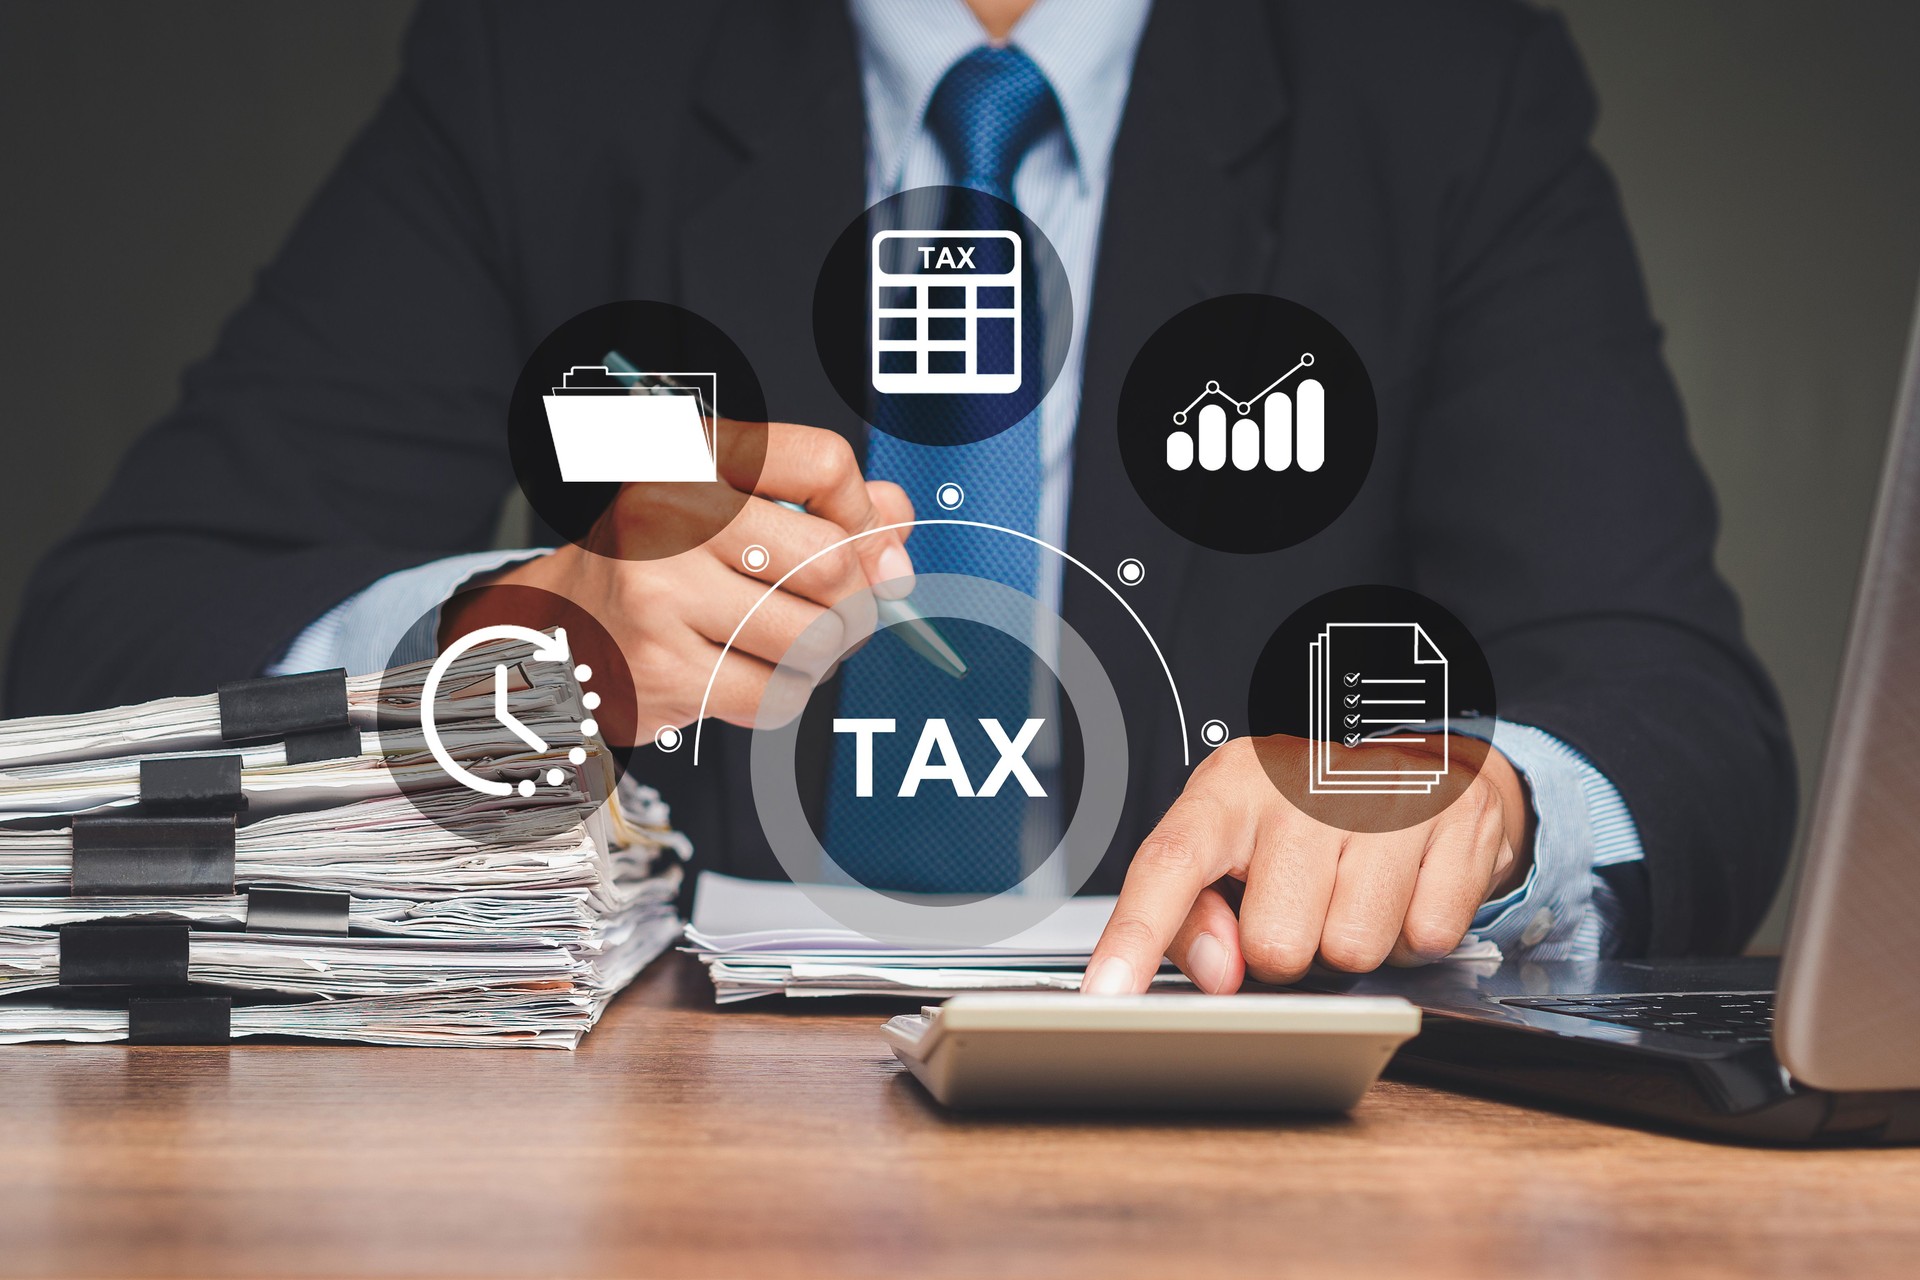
1819,1046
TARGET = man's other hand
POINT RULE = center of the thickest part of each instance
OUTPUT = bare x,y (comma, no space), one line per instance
1305,890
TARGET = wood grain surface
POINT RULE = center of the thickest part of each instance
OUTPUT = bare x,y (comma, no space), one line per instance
766,1141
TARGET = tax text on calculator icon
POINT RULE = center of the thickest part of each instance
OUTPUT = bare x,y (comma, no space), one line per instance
946,312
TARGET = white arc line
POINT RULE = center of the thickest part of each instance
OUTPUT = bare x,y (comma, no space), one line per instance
1179,708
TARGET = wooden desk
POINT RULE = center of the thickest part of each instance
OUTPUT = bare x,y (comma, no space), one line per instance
766,1141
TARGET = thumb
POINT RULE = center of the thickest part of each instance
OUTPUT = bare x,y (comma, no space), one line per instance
891,505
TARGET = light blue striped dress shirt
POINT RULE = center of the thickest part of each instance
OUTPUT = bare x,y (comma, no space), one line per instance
1563,910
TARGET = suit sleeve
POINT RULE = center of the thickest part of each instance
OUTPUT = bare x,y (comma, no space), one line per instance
1555,503
348,423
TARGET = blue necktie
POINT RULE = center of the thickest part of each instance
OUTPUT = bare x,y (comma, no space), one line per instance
988,111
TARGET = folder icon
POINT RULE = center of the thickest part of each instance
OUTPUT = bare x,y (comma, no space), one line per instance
621,428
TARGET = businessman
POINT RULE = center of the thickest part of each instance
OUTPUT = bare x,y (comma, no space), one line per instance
1418,172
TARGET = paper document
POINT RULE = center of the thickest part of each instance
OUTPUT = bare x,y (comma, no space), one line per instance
765,937
770,938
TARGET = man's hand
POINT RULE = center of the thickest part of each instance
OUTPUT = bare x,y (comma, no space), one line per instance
671,615
1307,890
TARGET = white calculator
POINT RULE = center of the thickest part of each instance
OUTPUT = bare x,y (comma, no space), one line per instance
946,312
1275,1052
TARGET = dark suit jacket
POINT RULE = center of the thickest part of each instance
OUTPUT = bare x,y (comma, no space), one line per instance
1417,172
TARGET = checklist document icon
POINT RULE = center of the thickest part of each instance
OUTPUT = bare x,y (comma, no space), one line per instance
1375,684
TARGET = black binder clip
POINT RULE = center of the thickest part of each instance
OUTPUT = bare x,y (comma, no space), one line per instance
191,784
183,1019
308,710
297,910
179,843
124,955
160,855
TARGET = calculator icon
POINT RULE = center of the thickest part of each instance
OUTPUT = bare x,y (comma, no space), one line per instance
946,312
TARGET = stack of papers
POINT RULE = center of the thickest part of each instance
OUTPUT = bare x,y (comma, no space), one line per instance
767,938
101,770
517,929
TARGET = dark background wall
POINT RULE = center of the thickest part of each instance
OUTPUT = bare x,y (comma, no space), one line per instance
153,155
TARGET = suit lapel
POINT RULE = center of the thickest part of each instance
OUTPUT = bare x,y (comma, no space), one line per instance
774,160
1190,214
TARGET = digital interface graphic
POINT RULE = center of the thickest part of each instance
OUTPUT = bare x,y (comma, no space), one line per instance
947,312
922,755
637,430
1375,703
622,426
528,703
1376,684
1247,422
1256,474
942,316
1277,441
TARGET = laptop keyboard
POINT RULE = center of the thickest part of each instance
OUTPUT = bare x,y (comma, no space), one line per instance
1738,1017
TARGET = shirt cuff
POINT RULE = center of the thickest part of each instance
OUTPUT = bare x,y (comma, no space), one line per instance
392,621
1580,823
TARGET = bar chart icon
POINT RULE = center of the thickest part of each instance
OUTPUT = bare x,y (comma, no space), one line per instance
1292,431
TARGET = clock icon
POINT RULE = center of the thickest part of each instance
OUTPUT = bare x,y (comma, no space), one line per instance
545,648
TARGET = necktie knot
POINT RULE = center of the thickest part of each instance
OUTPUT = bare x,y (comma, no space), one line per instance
987,112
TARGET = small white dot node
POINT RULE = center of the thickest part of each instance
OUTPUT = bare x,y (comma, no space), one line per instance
1214,732
577,756
590,700
950,495
755,558
583,673
1132,572
589,727
555,777
667,738
526,786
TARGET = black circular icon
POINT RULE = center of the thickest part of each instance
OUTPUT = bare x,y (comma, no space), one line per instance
1247,423
1368,707
942,316
948,856
637,430
936,782
520,726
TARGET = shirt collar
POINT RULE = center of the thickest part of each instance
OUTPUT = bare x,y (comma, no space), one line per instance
1085,48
